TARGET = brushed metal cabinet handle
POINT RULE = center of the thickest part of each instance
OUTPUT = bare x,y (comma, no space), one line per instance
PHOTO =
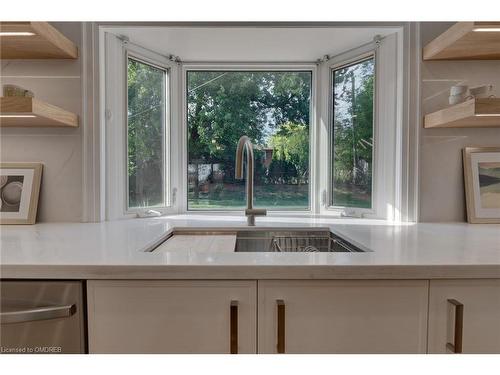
456,347
233,329
280,346
36,314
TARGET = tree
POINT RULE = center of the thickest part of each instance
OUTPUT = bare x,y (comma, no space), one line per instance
223,106
291,145
289,95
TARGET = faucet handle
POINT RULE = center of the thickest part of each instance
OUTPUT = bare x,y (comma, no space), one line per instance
256,211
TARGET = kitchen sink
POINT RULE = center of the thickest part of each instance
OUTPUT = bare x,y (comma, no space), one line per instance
278,240
285,241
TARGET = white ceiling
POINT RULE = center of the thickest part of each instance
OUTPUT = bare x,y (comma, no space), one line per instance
250,43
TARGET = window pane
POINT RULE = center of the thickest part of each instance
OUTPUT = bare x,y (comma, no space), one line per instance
353,135
272,108
146,135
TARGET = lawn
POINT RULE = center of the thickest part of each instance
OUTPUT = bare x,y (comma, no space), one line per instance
351,196
272,197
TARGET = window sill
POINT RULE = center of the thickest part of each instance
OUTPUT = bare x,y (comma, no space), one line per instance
278,214
237,219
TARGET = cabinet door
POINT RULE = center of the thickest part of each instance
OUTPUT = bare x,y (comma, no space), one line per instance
319,316
475,306
172,316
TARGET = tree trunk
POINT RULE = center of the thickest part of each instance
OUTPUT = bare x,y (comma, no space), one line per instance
353,119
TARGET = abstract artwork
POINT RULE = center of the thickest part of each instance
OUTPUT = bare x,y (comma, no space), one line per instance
19,190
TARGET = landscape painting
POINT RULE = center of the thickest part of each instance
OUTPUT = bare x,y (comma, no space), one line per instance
489,184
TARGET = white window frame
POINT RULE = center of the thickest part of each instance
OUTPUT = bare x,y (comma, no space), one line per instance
391,164
313,68
117,52
387,128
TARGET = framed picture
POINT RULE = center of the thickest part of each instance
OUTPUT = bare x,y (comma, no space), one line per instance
19,190
482,184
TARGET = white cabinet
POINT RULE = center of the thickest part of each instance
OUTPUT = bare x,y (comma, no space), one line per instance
294,316
466,314
172,316
354,316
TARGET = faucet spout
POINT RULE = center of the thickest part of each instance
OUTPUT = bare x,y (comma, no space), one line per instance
244,144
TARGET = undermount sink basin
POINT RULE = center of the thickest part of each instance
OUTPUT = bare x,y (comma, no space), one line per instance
292,241
279,240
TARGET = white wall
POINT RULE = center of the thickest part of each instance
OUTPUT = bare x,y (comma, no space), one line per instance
58,82
441,175
60,150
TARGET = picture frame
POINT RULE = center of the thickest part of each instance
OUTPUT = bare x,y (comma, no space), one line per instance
482,184
19,192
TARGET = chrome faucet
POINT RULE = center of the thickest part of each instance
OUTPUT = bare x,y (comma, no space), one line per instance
245,144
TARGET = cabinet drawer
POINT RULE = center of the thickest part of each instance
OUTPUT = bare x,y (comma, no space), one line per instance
329,316
172,316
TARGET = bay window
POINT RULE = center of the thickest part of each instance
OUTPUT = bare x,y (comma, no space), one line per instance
326,135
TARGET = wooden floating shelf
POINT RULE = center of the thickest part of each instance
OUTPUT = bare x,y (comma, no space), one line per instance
466,41
30,112
34,40
473,113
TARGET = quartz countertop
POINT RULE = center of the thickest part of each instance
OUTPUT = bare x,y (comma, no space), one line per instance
118,250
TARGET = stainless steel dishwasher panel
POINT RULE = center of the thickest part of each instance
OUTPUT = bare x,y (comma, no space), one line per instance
41,317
